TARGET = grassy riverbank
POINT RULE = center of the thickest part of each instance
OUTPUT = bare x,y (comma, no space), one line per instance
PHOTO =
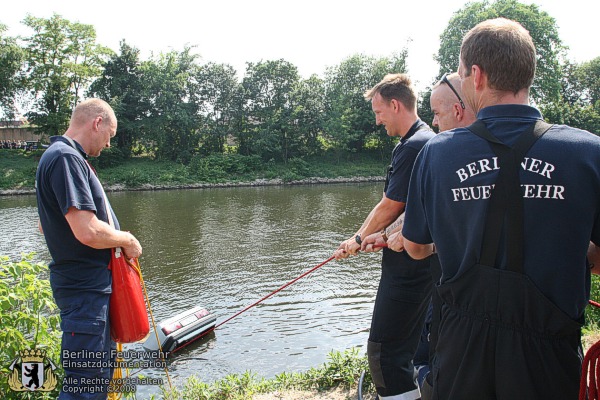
336,379
18,170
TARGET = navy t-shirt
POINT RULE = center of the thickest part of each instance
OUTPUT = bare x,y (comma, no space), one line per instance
403,159
560,182
64,180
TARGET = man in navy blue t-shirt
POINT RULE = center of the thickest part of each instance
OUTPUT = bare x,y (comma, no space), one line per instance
74,217
405,284
514,291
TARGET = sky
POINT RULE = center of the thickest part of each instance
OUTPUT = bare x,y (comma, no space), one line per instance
311,34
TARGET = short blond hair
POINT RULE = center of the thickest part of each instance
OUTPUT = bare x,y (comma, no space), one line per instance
90,109
395,86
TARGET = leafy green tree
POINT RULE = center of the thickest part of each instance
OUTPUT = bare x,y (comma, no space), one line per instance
11,59
588,74
308,101
171,88
424,108
349,120
346,109
121,85
267,124
220,102
541,26
579,105
62,60
582,116
572,90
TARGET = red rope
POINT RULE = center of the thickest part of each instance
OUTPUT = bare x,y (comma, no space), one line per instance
276,291
590,370
261,300
257,302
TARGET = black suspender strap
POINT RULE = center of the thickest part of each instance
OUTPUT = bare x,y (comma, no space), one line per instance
505,208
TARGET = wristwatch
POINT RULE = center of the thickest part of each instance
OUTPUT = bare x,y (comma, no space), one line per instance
358,239
384,235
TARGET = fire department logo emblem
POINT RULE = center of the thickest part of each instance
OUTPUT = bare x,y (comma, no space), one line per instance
32,371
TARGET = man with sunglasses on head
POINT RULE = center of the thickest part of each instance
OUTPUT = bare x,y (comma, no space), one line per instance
405,284
511,204
449,110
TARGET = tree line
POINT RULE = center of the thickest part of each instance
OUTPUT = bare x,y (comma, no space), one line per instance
172,107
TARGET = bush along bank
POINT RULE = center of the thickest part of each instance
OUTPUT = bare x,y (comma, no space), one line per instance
223,170
29,320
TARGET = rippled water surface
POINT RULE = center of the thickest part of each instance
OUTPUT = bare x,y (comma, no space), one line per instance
225,249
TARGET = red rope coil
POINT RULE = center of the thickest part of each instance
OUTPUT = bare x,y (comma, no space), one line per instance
590,371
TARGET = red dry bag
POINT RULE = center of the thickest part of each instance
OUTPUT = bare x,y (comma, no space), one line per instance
128,316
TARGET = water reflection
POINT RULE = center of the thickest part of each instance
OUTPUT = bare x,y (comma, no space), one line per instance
227,248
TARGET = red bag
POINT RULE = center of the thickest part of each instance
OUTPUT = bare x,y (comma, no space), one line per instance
128,316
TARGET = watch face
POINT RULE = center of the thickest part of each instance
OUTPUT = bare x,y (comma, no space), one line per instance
358,239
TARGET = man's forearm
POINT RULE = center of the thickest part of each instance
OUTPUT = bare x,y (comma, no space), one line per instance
418,251
395,226
366,221
385,213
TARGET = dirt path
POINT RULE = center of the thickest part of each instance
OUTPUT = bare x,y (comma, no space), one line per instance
337,394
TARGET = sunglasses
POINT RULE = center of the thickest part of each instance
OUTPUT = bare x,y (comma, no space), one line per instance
447,82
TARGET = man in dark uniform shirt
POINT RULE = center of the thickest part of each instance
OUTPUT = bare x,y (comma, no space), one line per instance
405,284
513,292
74,218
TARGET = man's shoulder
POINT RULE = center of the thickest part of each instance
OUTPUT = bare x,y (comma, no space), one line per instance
59,151
567,132
420,137
447,137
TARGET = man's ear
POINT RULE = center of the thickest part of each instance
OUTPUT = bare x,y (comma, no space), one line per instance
96,123
457,111
479,77
396,105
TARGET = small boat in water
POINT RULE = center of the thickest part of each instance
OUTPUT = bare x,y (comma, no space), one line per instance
181,330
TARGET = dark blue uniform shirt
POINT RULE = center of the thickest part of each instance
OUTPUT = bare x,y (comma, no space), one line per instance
403,158
64,180
560,181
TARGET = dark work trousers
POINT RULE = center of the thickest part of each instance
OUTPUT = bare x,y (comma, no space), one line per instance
86,340
501,338
400,307
425,354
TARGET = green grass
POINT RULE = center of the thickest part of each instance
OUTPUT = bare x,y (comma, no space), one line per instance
342,369
592,314
18,169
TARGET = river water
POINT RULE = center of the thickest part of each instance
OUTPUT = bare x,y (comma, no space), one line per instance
226,248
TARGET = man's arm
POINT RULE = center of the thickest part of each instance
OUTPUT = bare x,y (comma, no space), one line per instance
593,256
418,251
382,215
92,232
395,226
385,213
375,241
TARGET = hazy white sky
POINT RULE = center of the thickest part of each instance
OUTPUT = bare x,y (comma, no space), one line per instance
311,34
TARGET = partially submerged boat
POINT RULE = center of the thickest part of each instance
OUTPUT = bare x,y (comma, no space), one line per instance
180,330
